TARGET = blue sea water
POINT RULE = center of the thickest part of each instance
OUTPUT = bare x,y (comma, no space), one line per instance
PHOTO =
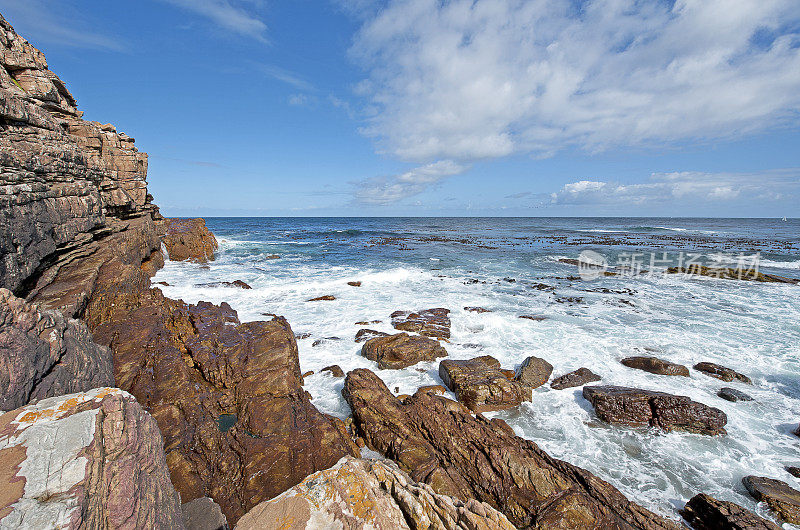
510,266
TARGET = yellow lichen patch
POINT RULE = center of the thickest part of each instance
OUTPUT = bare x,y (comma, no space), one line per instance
32,416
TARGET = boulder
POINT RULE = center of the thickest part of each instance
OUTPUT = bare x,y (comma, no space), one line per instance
438,441
189,239
354,284
721,372
779,496
534,372
429,322
655,365
360,494
704,512
92,459
401,350
579,377
43,354
645,408
480,384
324,298
363,335
203,514
731,394
334,369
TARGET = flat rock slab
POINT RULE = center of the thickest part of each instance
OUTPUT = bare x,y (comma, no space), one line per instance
779,496
704,512
481,385
534,372
644,408
429,322
402,350
731,394
654,365
721,372
579,377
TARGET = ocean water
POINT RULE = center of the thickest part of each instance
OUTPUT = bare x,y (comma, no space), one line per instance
498,263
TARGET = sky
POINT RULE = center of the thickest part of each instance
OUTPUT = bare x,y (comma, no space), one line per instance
442,108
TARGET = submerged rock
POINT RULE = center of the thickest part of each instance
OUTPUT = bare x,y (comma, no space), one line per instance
236,283
779,496
535,318
704,512
642,408
334,370
189,239
579,377
324,298
475,309
731,394
727,273
534,372
721,372
480,384
429,322
438,441
402,350
655,365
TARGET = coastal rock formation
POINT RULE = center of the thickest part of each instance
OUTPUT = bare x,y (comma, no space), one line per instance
364,334
641,408
43,354
731,394
334,369
721,372
778,495
704,512
579,377
401,350
439,442
429,322
727,273
189,239
481,385
368,494
655,365
534,372
86,460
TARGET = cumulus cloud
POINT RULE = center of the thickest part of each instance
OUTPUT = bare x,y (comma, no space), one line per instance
386,190
228,15
470,79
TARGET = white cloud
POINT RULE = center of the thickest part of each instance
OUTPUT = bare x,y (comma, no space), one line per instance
284,76
385,190
470,79
227,15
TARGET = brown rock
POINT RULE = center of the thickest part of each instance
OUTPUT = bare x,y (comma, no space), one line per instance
436,389
401,350
354,284
534,372
308,374
634,407
429,322
363,335
236,283
481,386
272,256
536,318
203,514
189,239
477,309
726,273
439,442
94,459
367,322
508,373
655,365
579,377
721,372
334,369
704,512
325,298
779,496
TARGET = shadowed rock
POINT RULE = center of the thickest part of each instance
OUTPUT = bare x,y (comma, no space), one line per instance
779,496
704,512
481,385
579,377
334,370
534,372
721,372
429,322
793,470
655,365
731,394
401,350
189,239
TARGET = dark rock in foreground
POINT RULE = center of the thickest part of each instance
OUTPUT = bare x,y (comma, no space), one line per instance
438,441
534,372
655,365
189,239
721,372
402,350
731,394
644,408
579,377
704,512
429,322
779,496
481,385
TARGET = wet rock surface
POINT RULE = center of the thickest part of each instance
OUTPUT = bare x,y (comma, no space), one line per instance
579,377
189,239
721,372
534,372
654,365
727,273
481,385
475,309
429,322
402,350
363,335
644,408
438,441
90,460
334,370
778,495
704,512
323,298
731,394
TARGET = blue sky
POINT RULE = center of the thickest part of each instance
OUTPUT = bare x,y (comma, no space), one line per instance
425,107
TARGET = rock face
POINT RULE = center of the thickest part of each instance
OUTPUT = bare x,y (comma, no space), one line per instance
481,385
368,494
438,441
86,460
401,350
429,322
579,377
704,512
189,239
655,365
779,496
43,354
534,372
203,514
721,372
641,408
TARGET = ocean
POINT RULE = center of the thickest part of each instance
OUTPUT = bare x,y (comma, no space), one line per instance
511,266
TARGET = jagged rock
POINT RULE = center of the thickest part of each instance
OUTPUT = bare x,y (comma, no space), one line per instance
203,514
779,496
87,460
189,239
704,512
439,442
731,394
793,470
369,494
634,407
480,384
534,372
402,350
429,322
334,369
324,298
655,365
43,354
579,377
363,335
721,372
